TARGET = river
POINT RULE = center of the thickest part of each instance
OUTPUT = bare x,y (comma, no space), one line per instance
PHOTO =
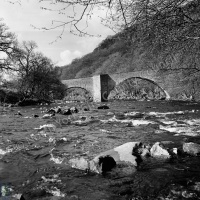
34,162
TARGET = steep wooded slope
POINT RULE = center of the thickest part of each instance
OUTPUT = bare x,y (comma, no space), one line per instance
168,41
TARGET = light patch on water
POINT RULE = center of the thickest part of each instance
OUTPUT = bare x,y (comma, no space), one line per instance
192,122
105,131
132,113
2,152
52,180
160,114
176,129
56,160
129,121
80,122
197,186
168,122
187,128
141,122
192,134
52,140
27,117
47,128
56,192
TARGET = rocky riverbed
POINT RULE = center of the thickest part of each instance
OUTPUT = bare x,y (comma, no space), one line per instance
35,151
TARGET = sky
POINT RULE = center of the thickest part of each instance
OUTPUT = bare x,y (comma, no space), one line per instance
21,20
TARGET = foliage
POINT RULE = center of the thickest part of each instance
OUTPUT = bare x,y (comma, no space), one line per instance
8,92
37,78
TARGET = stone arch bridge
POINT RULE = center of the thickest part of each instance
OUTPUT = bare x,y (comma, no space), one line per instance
100,86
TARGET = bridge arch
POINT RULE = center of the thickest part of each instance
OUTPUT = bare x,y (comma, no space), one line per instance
133,87
77,93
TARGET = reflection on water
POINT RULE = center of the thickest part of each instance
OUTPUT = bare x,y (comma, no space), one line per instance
34,161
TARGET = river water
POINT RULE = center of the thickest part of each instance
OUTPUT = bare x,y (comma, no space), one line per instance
34,162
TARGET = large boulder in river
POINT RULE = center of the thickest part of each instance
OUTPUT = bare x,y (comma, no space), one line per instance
129,153
191,148
158,151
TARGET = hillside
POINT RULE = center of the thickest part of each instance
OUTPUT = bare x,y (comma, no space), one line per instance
171,41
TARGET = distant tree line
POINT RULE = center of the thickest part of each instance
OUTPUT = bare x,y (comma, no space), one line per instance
33,74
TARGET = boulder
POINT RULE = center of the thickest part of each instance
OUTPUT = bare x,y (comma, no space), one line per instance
74,109
51,111
158,151
191,148
58,109
86,109
103,107
66,112
128,153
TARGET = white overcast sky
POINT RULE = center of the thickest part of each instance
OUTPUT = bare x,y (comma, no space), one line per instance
19,19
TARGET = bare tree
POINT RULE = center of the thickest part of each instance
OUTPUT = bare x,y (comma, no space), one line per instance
37,77
7,47
119,14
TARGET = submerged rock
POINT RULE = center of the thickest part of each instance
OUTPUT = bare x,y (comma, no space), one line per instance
191,148
158,151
